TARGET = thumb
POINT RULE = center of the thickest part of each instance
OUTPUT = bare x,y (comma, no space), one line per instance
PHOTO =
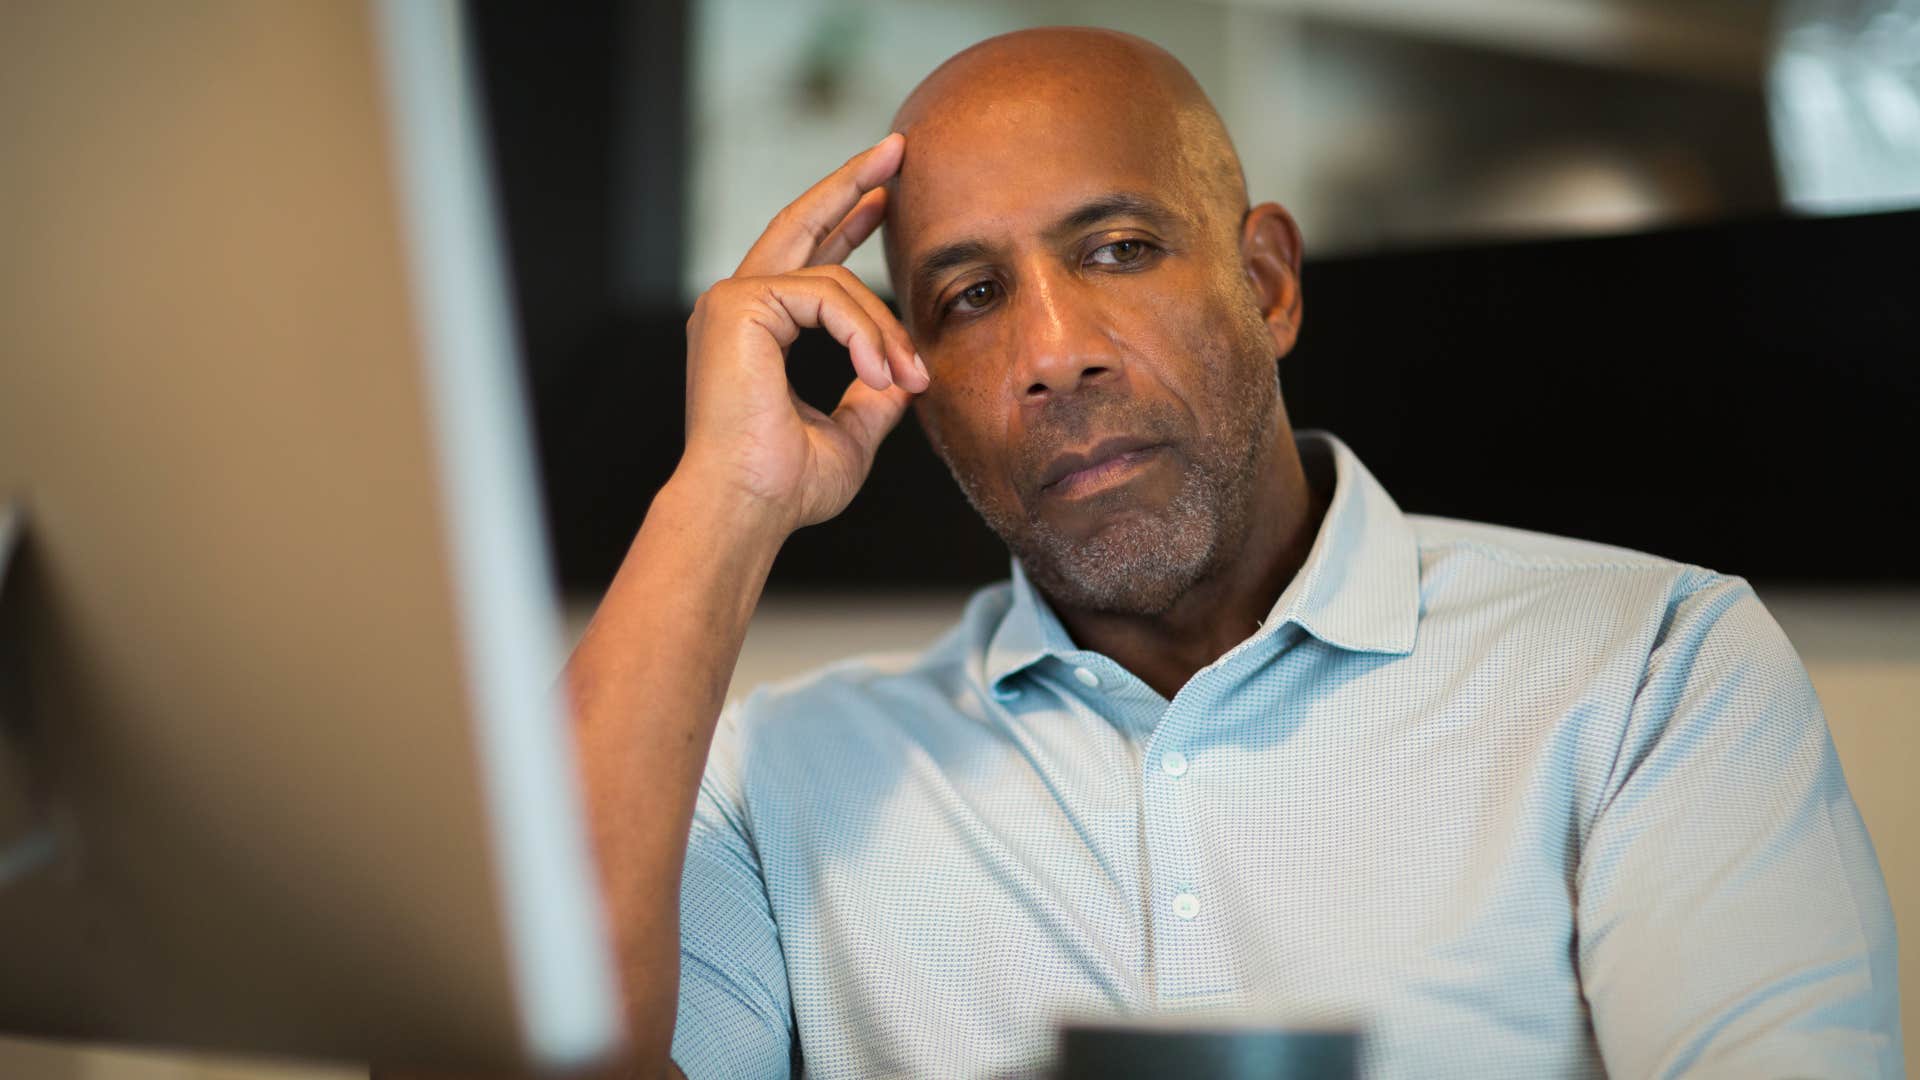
867,415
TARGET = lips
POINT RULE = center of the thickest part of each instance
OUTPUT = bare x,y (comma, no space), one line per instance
1104,452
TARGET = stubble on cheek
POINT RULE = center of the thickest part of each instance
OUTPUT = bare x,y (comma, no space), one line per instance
1142,563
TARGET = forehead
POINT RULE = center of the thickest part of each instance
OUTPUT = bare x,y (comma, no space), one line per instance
992,166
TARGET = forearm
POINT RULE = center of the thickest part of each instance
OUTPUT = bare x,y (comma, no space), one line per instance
647,681
649,676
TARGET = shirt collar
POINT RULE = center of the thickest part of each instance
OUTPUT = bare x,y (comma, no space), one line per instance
1359,588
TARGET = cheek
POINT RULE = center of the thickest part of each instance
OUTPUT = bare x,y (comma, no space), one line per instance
1238,329
954,418
1226,355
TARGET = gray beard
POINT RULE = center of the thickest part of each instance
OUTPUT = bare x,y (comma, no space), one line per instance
1144,563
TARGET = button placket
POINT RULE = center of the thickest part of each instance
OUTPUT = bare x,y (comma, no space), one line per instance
1192,956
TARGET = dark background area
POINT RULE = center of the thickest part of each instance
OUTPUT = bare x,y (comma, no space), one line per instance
1741,395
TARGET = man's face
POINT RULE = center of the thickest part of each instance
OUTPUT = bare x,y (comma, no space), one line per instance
1104,387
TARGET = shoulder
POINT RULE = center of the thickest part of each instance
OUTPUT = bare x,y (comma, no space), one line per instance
1450,546
1634,599
809,754
1525,549
859,697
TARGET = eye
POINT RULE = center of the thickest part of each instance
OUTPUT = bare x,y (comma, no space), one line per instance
974,297
1119,253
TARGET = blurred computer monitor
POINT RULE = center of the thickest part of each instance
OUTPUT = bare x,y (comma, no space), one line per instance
283,762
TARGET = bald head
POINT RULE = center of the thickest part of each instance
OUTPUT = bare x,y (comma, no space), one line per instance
1075,259
1076,71
1059,87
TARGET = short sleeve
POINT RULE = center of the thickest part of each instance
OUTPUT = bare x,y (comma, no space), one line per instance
1732,917
735,1010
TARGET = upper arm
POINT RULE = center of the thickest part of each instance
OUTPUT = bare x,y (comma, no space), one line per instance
1731,910
735,1008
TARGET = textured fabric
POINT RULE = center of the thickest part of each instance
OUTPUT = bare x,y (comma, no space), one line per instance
1517,805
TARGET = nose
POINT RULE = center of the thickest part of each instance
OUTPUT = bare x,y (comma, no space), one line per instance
1061,344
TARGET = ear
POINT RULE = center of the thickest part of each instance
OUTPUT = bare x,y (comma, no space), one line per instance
1270,254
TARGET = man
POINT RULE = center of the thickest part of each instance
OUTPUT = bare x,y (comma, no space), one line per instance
1239,736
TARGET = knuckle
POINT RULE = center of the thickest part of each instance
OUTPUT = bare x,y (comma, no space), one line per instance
726,298
850,283
830,289
734,290
794,218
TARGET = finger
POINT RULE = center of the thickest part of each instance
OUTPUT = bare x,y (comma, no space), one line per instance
798,231
823,302
853,230
867,415
902,361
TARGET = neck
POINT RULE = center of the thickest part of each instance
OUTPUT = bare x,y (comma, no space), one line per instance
1227,606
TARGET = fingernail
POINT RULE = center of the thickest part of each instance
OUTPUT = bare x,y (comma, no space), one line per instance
920,366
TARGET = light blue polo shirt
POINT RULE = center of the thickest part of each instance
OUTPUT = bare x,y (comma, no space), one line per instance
1518,805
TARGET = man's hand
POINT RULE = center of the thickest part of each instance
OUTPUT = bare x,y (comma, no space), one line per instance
650,674
748,434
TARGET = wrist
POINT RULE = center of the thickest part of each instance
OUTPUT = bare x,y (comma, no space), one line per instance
700,549
727,516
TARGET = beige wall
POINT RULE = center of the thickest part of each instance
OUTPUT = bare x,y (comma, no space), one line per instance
1862,650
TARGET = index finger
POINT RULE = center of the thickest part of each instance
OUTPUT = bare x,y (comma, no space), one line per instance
797,232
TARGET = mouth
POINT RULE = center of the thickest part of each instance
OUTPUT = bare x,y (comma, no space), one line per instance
1109,462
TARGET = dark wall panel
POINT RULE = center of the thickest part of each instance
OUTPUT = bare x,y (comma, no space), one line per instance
1742,396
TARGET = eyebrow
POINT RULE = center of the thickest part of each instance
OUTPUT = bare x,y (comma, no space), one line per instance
1107,207
944,258
1084,216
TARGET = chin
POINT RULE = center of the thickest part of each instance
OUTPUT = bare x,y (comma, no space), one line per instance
1139,566
1140,563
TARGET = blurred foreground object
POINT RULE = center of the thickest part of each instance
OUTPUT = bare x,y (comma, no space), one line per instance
1157,1046
284,768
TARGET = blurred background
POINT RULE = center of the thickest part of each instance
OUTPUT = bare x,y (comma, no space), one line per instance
1634,271
1639,271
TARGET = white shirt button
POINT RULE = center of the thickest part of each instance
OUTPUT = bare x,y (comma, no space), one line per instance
1186,905
1087,678
1006,692
1173,763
